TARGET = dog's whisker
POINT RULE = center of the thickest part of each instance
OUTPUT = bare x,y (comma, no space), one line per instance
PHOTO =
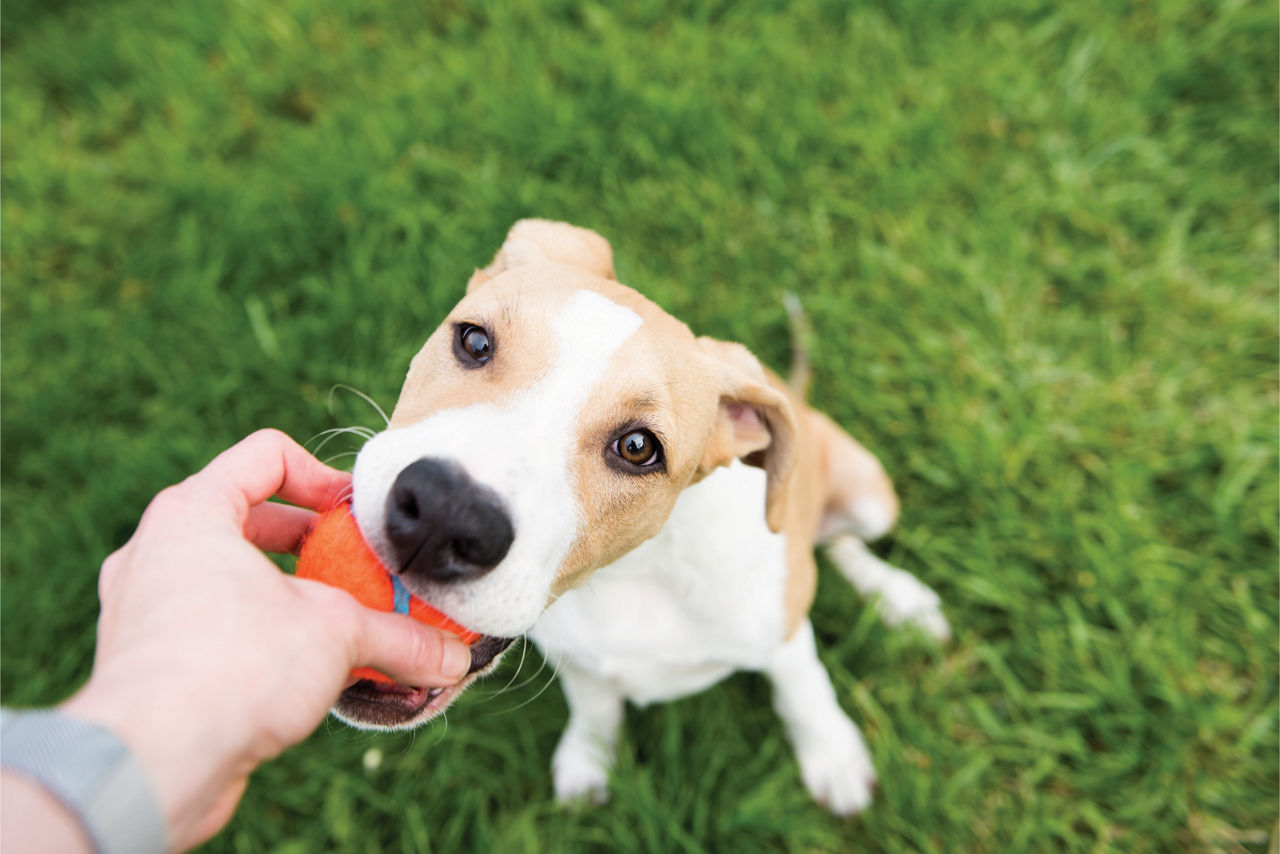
363,432
536,675
413,739
329,460
524,653
532,676
497,692
554,673
322,438
524,646
360,429
366,398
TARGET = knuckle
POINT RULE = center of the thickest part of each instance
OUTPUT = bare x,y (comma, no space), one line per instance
422,651
329,604
169,497
108,573
178,498
268,436
336,611
336,603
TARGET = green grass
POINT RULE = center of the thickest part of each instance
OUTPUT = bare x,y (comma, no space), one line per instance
1038,245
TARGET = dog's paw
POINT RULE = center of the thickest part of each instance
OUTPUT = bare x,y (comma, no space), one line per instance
839,773
905,600
580,778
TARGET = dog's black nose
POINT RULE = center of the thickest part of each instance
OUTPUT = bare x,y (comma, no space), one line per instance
444,526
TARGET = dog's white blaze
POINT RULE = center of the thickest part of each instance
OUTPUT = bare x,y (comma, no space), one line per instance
520,449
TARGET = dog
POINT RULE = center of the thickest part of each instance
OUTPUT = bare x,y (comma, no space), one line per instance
568,461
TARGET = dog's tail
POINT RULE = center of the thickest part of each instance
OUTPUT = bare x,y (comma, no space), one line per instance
801,372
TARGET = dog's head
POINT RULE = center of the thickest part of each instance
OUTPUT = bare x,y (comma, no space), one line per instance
544,430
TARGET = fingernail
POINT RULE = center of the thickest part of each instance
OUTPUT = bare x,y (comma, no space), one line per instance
456,660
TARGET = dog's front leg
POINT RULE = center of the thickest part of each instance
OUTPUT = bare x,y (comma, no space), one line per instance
834,762
581,764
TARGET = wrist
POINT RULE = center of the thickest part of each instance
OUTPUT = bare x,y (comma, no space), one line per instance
179,752
87,771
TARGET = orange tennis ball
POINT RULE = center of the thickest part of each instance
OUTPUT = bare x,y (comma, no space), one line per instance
336,553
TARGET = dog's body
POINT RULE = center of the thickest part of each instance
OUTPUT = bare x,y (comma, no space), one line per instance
715,592
665,542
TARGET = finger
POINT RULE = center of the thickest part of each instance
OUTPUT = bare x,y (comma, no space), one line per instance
278,528
407,651
269,463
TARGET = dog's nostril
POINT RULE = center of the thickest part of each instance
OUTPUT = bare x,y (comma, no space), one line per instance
406,501
474,551
443,525
410,507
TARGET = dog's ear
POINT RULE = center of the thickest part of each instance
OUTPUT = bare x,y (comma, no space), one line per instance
755,423
533,240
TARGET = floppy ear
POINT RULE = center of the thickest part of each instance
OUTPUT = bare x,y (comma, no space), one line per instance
755,423
533,240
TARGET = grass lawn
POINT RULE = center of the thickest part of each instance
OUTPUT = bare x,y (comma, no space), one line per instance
1037,242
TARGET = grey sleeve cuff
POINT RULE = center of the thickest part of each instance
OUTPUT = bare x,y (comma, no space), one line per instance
91,772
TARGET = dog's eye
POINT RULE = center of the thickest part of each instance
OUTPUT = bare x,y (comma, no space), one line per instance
638,447
476,343
472,344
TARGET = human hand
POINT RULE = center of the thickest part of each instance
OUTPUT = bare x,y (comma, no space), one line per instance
209,659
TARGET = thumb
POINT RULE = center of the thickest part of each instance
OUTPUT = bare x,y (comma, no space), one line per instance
408,651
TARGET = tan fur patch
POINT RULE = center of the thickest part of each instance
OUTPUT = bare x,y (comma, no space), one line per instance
651,384
832,473
533,241
745,384
437,380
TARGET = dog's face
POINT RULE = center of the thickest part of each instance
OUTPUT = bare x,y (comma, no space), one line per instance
544,430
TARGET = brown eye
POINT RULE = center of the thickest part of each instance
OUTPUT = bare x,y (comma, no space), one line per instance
639,447
472,344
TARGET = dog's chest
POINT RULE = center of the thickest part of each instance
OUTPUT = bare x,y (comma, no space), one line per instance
701,599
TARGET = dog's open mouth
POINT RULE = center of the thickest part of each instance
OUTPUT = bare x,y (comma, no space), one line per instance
392,705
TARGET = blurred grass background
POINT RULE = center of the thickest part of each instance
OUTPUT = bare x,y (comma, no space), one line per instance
1038,245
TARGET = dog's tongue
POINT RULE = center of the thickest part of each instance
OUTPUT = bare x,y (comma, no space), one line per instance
335,552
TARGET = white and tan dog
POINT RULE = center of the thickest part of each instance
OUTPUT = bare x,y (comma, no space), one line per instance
567,460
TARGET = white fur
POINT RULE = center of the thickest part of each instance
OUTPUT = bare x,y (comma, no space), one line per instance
871,518
534,485
834,762
584,756
684,609
900,596
867,518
